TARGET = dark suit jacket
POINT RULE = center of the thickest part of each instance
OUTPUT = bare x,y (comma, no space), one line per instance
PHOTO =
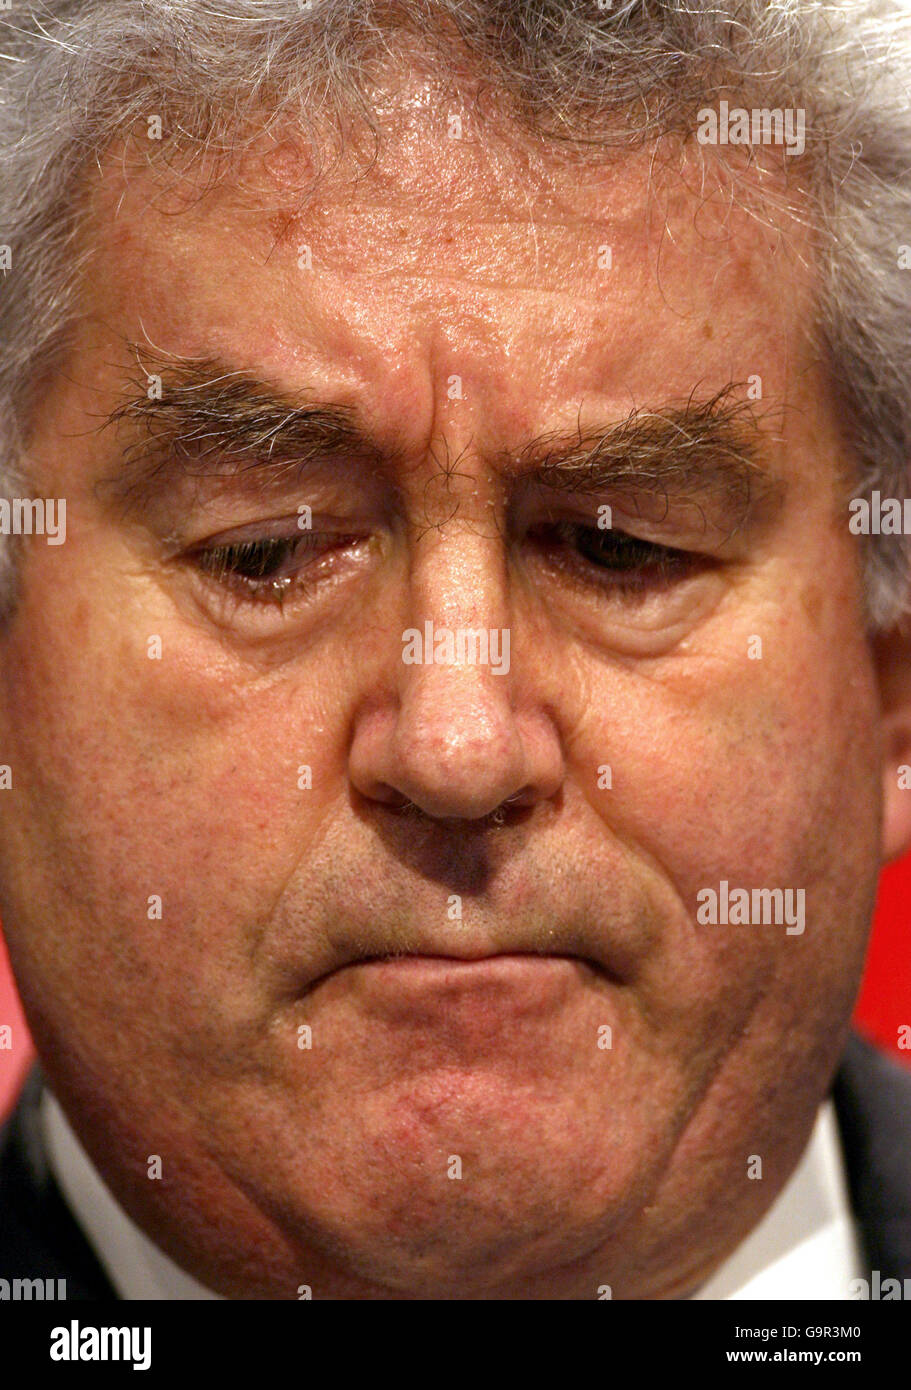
39,1237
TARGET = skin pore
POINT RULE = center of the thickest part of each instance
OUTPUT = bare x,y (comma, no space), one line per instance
455,305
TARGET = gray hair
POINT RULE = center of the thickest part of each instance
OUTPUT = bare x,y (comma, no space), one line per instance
78,77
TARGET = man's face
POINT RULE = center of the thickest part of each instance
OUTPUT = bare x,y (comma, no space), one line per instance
567,1081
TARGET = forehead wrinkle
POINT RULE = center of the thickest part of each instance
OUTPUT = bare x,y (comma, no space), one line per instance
622,189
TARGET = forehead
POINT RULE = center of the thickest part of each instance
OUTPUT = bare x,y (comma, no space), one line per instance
469,246
443,188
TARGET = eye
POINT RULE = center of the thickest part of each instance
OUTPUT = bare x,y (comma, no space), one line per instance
264,569
622,562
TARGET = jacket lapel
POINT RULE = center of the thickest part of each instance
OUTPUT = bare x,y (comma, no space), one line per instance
872,1097
39,1237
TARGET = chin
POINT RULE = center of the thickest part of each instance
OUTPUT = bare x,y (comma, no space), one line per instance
470,1218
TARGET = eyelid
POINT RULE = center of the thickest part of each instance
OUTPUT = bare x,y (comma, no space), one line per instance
675,522
305,541
660,568
569,530
229,586
282,528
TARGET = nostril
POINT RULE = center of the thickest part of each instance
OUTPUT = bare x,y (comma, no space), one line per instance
402,806
390,796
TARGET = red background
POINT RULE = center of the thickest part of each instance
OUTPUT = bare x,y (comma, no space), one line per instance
883,1007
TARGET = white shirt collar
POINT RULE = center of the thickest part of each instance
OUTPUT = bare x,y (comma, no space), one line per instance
133,1263
806,1246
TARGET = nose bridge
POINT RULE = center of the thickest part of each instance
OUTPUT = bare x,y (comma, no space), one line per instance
457,748
458,564
456,658
457,558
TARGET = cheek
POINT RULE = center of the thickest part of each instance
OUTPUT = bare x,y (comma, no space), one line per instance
760,773
755,733
158,819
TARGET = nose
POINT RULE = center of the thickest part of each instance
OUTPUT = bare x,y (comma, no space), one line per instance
464,728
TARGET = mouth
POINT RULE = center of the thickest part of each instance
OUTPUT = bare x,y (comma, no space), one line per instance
414,985
430,959
466,969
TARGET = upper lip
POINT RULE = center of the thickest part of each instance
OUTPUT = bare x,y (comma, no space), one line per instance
456,958
348,909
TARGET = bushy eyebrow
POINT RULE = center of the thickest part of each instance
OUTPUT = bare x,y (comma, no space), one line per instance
208,421
710,452
195,418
